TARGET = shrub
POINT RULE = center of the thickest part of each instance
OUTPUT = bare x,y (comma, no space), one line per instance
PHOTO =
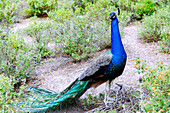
156,83
61,14
84,31
156,28
15,66
82,40
144,7
162,3
165,44
8,10
75,34
43,33
40,7
82,3
99,11
8,96
125,4
15,57
81,37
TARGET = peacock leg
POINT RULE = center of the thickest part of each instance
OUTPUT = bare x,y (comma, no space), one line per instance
107,99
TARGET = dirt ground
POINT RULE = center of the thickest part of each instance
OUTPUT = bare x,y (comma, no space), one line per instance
57,73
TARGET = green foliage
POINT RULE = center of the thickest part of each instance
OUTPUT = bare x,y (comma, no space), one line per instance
82,3
15,57
156,82
124,19
99,10
8,10
125,4
42,33
15,65
165,44
15,62
8,96
137,7
82,37
40,7
85,33
112,111
75,34
144,7
156,28
162,3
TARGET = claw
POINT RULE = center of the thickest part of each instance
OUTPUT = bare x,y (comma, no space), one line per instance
120,85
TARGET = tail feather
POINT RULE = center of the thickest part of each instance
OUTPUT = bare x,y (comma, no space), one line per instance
41,100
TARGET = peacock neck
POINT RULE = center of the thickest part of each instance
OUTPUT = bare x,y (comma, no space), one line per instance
117,48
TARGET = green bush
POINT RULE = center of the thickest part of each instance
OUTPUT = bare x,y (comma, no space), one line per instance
125,4
84,31
165,38
165,44
83,37
40,7
156,28
162,3
82,3
42,33
79,36
8,96
16,63
15,57
8,10
156,82
144,7
99,11
138,7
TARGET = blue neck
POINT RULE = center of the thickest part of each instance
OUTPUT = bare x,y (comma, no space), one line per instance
116,43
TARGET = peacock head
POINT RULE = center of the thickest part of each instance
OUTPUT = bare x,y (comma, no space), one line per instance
112,15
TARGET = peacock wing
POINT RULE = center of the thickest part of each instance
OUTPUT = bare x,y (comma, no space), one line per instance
99,64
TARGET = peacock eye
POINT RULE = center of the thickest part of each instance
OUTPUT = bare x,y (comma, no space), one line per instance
113,16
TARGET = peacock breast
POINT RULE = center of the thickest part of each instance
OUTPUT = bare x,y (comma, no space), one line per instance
115,68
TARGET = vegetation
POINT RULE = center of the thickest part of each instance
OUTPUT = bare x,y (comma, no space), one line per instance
156,28
8,95
76,28
40,7
154,87
8,10
144,7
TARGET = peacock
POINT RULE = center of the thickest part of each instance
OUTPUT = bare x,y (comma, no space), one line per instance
103,70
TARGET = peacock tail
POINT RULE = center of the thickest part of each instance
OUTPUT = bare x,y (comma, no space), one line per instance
40,100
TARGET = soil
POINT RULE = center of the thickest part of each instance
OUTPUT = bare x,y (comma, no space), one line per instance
57,73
